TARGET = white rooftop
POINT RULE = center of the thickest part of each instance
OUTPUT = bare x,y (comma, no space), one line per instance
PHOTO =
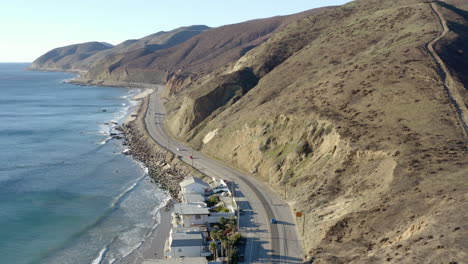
198,260
191,180
194,197
190,209
187,237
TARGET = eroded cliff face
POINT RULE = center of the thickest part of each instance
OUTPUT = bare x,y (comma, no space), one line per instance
349,121
220,92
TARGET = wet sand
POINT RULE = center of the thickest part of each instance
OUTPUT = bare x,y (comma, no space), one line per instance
153,247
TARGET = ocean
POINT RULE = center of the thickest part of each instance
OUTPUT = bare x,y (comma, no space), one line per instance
67,193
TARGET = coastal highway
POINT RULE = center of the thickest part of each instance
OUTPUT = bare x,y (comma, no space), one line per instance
266,242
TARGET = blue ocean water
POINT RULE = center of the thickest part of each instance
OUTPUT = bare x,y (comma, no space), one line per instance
67,193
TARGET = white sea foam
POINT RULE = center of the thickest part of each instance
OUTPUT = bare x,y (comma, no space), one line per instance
104,141
127,237
127,242
129,189
118,117
100,256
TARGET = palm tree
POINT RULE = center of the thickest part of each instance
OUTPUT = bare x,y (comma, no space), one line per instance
214,250
217,234
223,221
225,244
232,223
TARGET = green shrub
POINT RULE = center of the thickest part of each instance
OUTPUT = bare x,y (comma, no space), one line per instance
221,209
213,200
303,148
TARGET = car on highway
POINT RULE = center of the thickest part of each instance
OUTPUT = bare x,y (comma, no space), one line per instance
273,221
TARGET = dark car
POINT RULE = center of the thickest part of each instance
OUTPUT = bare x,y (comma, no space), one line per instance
273,221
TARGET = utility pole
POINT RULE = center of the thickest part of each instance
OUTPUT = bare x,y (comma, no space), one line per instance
238,219
237,206
232,191
303,225
300,214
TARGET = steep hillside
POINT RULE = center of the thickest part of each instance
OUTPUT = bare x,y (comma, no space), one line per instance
65,58
82,57
350,120
353,113
204,53
454,48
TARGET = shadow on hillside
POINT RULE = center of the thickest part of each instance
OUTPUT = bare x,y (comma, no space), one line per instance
455,54
455,9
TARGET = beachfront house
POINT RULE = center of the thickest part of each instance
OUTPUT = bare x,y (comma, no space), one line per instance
194,185
186,242
193,198
187,215
196,260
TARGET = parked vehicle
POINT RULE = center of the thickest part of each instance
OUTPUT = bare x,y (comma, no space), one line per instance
273,221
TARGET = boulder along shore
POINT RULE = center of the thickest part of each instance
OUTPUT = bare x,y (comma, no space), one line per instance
164,169
163,166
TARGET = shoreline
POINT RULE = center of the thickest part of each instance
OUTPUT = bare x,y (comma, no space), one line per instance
164,168
153,245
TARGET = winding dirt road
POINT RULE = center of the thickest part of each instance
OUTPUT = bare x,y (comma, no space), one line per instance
450,85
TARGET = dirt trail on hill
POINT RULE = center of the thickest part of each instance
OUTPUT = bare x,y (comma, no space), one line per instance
450,85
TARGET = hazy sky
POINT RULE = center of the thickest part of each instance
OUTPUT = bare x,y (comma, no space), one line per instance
29,28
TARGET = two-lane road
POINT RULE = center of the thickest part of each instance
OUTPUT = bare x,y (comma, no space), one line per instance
266,242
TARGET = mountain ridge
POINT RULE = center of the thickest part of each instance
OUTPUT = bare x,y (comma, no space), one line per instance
84,57
344,108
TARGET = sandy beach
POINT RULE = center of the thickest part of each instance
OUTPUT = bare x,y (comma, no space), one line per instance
132,116
153,246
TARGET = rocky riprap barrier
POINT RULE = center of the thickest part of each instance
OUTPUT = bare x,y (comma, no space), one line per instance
163,166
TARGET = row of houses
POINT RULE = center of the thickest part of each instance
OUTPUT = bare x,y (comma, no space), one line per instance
192,220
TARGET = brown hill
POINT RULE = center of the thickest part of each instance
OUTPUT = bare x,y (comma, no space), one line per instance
64,58
346,111
81,57
210,50
351,116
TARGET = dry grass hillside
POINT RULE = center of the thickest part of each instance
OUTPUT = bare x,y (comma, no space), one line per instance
203,53
454,47
66,58
345,111
351,118
84,57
